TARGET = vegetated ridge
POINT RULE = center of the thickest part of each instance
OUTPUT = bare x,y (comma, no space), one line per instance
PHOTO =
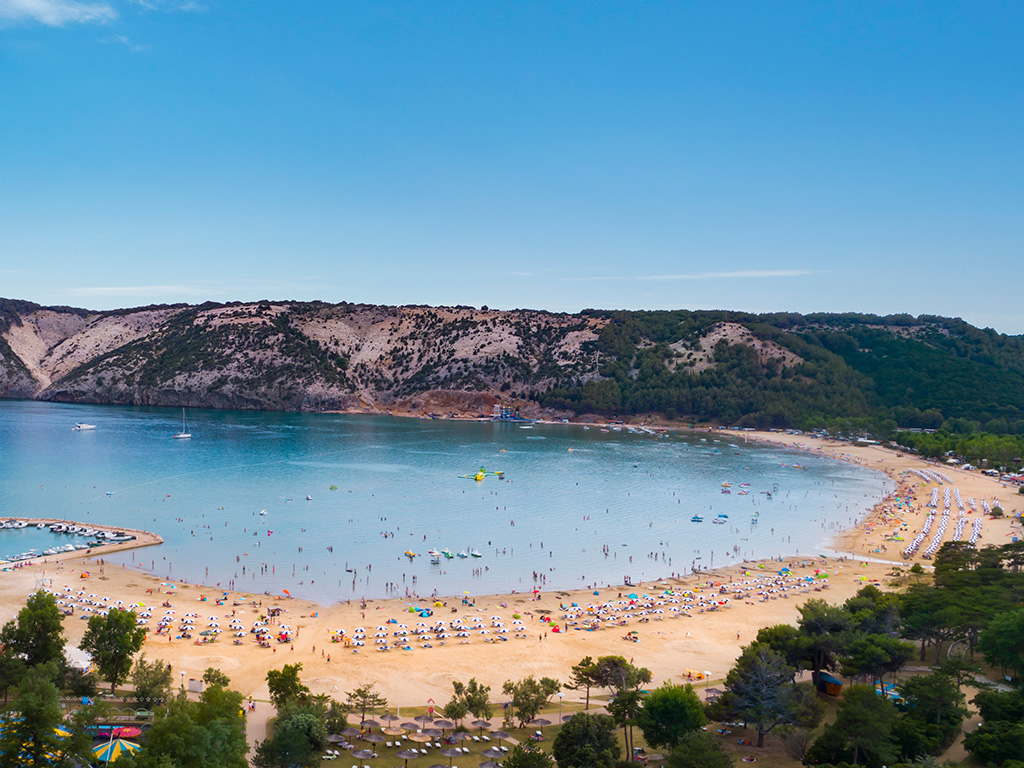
768,370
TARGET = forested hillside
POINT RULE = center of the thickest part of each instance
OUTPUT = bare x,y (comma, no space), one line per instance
810,370
770,370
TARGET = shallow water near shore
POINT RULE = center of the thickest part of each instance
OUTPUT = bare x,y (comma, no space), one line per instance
575,507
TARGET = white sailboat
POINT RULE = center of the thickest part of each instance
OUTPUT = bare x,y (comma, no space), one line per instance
185,432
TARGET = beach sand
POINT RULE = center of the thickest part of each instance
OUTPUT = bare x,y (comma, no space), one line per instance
670,647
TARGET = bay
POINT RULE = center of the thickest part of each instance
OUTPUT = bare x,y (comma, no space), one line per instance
576,505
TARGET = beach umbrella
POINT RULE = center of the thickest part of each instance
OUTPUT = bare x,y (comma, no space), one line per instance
423,719
481,724
407,755
350,732
410,726
389,717
539,722
443,724
460,736
113,749
336,738
450,753
374,738
499,735
393,731
362,754
493,752
422,738
433,732
489,764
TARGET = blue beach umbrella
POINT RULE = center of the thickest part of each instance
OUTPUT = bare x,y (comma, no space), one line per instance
109,752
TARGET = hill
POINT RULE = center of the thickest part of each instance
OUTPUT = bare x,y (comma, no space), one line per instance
768,370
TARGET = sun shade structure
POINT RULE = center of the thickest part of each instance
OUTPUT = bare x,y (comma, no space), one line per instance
407,755
109,752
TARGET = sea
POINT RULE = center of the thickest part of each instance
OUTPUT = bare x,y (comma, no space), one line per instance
326,506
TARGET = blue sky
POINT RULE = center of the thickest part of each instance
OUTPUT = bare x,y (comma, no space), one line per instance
799,156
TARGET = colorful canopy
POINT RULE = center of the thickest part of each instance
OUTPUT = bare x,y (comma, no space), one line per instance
109,752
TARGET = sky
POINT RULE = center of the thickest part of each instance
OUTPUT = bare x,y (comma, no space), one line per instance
797,156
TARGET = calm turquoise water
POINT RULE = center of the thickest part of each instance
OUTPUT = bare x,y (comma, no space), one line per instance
617,504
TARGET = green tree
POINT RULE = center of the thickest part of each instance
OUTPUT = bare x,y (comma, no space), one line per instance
195,734
927,616
934,698
931,718
624,709
213,676
475,697
527,756
1002,642
455,710
29,738
583,677
586,741
669,713
336,718
865,723
284,685
699,750
12,671
825,629
996,742
874,612
299,736
112,641
37,633
760,689
787,640
152,681
529,696
364,699
617,674
876,656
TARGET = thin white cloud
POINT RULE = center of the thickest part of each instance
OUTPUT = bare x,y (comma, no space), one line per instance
143,290
57,13
170,5
739,274
122,40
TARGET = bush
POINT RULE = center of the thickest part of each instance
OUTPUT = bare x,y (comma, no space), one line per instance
81,683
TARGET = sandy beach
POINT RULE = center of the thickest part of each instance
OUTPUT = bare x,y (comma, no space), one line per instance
677,634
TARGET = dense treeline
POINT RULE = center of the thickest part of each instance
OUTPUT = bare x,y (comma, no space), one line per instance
855,372
996,450
974,601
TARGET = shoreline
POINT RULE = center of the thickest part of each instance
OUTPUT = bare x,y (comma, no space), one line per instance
842,543
701,640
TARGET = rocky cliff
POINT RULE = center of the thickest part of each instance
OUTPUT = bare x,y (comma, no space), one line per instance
291,356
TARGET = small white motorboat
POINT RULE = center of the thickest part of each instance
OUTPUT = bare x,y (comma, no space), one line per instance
82,427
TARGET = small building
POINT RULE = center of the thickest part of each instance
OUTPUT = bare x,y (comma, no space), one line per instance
826,683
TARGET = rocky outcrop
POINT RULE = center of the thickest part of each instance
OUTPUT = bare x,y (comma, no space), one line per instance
293,356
